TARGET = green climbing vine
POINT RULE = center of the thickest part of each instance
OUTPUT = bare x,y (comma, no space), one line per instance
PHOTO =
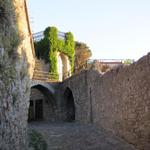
48,47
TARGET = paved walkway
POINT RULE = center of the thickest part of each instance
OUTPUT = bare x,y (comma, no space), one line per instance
75,136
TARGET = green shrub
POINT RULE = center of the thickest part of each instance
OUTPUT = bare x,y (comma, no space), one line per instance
36,140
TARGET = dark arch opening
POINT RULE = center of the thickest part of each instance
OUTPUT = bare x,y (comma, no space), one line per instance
2,12
42,104
70,105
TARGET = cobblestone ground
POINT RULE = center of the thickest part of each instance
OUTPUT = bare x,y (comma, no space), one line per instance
75,136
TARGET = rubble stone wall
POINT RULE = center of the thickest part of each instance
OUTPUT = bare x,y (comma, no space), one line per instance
16,69
118,100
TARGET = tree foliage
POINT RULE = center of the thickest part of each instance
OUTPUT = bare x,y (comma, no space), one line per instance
127,61
82,54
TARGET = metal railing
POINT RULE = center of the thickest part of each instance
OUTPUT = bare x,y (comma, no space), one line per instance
40,35
110,60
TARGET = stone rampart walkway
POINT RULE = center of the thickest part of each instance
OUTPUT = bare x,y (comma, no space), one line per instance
75,136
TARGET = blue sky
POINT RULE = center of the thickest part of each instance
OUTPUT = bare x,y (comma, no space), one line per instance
111,28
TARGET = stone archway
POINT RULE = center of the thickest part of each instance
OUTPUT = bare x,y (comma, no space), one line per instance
69,105
60,68
42,104
63,66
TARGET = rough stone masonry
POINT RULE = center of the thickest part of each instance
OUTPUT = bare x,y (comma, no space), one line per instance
16,67
118,101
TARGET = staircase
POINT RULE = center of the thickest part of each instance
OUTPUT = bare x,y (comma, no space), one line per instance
41,75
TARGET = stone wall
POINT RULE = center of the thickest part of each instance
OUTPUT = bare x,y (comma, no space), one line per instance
121,102
118,101
16,68
36,94
78,84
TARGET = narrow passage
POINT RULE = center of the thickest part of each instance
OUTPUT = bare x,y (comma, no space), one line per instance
75,136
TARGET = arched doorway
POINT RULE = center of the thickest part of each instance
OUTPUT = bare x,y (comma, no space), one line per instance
42,104
69,105
36,105
63,66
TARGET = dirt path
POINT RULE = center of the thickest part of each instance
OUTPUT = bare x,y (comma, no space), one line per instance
75,136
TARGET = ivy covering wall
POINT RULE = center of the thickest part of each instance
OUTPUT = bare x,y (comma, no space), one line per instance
48,47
